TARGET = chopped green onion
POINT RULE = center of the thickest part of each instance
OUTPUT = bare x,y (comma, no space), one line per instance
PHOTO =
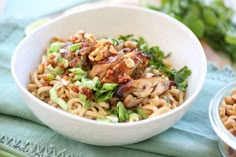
133,117
85,101
55,47
87,104
83,97
62,103
113,118
141,113
95,80
78,71
122,112
58,70
53,94
105,92
77,74
103,120
88,83
59,101
49,77
109,86
74,47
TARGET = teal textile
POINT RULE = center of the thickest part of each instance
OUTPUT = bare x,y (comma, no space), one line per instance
32,9
21,134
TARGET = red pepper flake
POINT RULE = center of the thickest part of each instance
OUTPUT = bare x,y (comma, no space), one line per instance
123,79
87,92
75,89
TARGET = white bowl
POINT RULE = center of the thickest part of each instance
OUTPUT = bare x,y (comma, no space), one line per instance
109,20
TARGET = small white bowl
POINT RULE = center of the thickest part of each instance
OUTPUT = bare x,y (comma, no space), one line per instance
226,142
103,21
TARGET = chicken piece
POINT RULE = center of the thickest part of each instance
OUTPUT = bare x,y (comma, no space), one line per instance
138,72
140,88
161,87
131,101
134,92
129,66
99,70
144,87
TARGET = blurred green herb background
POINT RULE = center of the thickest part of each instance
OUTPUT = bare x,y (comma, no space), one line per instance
211,21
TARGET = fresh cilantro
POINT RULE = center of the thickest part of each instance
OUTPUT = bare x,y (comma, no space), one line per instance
115,41
211,21
125,37
179,77
143,45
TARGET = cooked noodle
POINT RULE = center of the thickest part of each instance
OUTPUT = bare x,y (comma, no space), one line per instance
65,79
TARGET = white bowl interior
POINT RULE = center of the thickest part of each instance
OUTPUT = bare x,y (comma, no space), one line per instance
104,21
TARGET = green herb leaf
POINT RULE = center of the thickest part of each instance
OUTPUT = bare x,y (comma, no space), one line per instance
125,37
180,78
143,45
211,22
115,41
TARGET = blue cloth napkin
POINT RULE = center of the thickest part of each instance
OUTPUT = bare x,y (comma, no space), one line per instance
31,9
22,134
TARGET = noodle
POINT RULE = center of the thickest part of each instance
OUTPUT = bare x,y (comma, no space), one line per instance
78,75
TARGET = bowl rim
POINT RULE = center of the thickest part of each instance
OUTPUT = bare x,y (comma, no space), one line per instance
214,115
85,120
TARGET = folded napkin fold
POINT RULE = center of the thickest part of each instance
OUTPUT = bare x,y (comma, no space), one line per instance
22,134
